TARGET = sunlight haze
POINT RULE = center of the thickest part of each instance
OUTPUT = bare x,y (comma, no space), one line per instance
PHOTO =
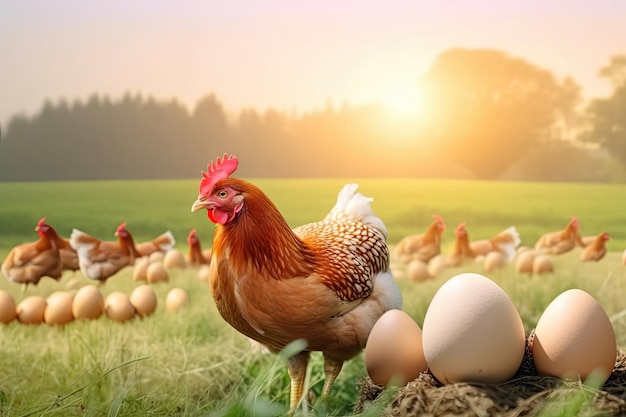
289,55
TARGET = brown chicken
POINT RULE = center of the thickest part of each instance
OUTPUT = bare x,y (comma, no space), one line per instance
326,283
100,260
29,262
162,243
196,256
422,247
556,243
461,251
69,257
596,249
505,242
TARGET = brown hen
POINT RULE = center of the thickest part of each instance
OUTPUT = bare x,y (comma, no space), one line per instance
326,282
29,262
422,247
100,260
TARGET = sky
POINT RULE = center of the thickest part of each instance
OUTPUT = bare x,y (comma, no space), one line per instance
290,55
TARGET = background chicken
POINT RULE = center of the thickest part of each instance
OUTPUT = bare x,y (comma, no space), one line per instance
596,249
29,262
98,259
196,256
422,247
461,251
69,257
505,242
556,243
324,282
162,243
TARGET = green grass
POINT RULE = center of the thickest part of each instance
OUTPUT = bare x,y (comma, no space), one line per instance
193,364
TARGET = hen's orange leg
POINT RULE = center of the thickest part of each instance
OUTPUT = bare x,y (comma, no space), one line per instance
332,368
296,366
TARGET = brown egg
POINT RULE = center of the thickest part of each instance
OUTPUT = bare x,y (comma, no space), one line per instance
8,308
574,338
156,257
436,265
30,310
59,308
176,299
144,299
140,269
494,260
418,271
174,259
118,307
393,353
203,273
157,273
524,261
88,303
542,264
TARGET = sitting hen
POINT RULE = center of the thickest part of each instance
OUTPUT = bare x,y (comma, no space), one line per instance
556,243
422,247
29,262
505,242
326,282
100,260
162,243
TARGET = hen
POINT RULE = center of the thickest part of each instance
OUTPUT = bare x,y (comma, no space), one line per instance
326,282
29,262
505,242
100,260
69,257
556,243
196,256
162,243
461,251
596,249
422,247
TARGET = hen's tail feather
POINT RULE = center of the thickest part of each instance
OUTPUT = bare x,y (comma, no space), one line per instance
356,207
78,238
508,241
166,241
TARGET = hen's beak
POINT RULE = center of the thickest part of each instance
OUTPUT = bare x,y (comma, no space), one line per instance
198,205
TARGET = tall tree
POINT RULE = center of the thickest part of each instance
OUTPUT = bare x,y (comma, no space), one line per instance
607,116
487,109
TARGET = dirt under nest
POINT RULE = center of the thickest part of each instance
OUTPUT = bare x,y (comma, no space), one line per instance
526,394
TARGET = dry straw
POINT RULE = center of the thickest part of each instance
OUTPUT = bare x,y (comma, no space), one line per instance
526,394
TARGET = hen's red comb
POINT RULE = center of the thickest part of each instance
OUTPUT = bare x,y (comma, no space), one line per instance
218,170
460,227
192,233
438,218
121,227
41,222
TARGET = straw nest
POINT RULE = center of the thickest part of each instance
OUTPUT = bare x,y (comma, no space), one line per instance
526,394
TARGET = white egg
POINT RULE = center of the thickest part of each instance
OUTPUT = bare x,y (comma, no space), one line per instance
472,332
574,337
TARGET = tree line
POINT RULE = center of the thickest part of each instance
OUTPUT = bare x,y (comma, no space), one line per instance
487,115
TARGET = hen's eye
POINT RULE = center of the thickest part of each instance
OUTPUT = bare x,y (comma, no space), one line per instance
222,194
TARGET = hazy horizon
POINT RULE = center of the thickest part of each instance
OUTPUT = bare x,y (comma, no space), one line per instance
287,55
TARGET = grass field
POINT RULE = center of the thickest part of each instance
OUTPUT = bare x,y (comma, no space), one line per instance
191,363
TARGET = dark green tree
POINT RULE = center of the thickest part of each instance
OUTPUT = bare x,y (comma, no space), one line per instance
606,117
